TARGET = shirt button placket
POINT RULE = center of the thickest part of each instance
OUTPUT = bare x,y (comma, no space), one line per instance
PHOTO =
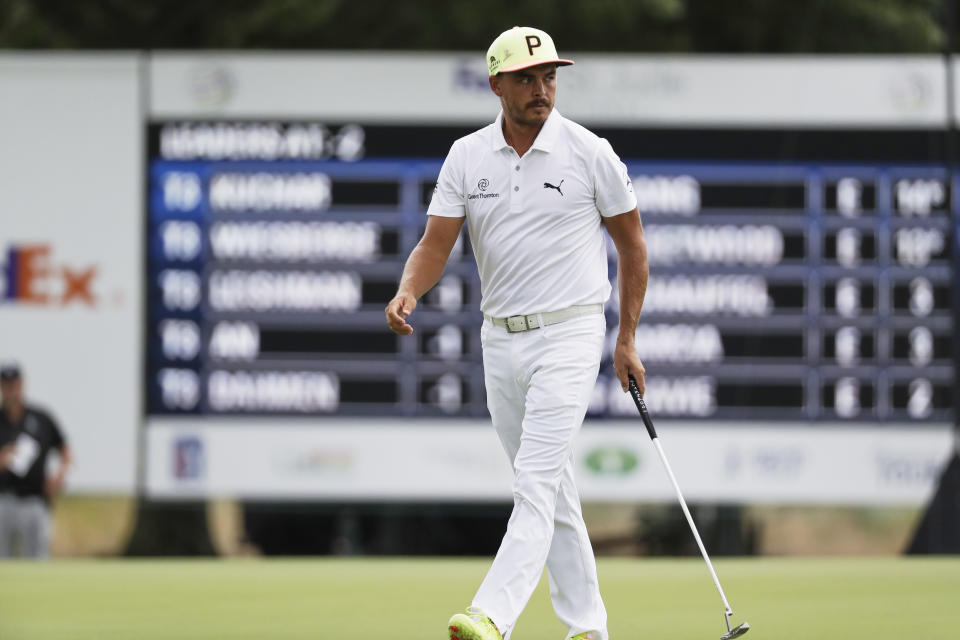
515,204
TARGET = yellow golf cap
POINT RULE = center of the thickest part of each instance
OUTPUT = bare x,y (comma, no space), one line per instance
522,47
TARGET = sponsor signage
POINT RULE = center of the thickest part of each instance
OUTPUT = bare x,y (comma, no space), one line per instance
627,90
31,275
71,251
461,460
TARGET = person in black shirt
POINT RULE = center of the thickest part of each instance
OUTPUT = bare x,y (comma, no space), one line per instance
27,436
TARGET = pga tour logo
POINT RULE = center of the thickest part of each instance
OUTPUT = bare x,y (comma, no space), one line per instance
189,460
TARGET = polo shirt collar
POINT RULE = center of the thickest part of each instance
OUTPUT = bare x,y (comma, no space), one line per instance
497,141
546,139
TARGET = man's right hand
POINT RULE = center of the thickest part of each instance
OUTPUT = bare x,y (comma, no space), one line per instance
397,311
6,453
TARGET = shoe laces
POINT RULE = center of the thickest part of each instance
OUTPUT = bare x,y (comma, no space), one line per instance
476,614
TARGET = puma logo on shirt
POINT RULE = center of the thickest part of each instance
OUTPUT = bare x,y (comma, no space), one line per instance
547,185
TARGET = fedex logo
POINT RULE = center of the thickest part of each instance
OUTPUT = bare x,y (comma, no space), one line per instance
30,276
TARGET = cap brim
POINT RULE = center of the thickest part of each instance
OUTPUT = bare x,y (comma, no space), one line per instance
560,62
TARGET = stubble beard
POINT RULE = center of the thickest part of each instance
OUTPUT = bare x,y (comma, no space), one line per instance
534,119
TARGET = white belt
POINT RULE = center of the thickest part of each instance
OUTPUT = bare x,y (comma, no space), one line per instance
516,324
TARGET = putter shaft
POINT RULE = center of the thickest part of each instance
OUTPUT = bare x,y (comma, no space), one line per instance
742,628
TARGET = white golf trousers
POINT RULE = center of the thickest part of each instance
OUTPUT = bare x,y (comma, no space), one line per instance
539,384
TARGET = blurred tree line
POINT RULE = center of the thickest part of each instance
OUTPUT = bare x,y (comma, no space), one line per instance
718,26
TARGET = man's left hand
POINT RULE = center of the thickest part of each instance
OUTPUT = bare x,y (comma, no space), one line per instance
626,362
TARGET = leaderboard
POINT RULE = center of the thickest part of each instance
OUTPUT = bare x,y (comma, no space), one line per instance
777,292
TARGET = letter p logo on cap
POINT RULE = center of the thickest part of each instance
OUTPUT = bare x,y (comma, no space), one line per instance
511,44
532,43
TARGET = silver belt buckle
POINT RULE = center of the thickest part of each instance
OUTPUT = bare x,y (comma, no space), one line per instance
516,324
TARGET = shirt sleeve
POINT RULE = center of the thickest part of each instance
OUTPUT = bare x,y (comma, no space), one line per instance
57,441
448,200
614,189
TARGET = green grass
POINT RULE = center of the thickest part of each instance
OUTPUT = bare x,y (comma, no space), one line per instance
411,599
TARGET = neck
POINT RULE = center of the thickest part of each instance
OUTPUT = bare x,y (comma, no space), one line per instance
520,135
14,411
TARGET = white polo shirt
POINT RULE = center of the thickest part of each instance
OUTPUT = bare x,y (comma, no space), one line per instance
534,221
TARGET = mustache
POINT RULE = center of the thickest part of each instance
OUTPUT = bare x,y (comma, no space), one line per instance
537,103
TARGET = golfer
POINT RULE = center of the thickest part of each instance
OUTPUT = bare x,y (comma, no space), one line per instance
536,191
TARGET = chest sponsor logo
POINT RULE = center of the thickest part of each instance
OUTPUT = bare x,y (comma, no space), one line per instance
547,185
483,184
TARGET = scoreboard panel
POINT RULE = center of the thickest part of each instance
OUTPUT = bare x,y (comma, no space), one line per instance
777,292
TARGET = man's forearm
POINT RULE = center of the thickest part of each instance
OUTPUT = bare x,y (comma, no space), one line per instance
421,271
66,461
632,272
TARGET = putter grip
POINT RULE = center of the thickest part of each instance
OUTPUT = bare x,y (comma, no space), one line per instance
642,407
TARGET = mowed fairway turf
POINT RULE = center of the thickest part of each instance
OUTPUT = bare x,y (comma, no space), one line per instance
411,599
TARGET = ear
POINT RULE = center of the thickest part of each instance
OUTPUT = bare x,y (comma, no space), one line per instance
495,85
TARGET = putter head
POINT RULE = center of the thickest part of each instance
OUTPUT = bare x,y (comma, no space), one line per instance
737,631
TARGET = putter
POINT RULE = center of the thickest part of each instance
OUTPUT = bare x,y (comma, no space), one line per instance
743,627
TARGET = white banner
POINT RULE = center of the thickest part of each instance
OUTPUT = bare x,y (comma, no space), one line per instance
461,460
71,251
600,89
